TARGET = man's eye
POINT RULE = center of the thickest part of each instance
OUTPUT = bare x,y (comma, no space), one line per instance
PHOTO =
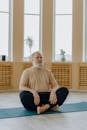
38,57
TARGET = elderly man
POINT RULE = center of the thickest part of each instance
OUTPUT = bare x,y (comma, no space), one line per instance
39,90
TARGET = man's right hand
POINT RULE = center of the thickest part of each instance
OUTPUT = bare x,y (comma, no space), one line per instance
36,98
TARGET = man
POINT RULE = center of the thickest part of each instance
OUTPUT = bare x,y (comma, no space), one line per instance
39,89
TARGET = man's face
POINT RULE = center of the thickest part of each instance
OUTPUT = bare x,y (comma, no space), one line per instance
37,59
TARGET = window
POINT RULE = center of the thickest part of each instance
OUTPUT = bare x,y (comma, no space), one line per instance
31,27
85,30
63,30
4,27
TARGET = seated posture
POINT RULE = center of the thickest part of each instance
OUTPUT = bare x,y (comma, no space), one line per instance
39,90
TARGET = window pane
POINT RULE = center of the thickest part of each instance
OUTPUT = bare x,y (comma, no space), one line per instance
63,6
4,26
85,31
31,29
63,36
4,5
32,6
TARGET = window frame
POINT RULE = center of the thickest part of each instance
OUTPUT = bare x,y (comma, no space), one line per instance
9,30
54,32
40,26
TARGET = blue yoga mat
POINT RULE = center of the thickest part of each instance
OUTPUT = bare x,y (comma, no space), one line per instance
21,112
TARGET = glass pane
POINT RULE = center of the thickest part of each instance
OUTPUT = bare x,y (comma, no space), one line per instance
63,6
32,6
4,5
4,29
63,36
31,29
85,31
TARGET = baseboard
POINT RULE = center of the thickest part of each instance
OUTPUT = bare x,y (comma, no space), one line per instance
9,90
17,90
77,90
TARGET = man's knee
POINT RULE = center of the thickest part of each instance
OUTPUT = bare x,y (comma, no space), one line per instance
63,90
26,96
25,93
27,100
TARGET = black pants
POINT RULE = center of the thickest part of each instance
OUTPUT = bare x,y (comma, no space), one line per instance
27,98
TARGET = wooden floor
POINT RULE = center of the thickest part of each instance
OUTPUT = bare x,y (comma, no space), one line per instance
64,121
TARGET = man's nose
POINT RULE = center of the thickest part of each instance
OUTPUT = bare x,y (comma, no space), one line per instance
40,59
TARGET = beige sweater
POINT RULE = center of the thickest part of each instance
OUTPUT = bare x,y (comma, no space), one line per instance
39,79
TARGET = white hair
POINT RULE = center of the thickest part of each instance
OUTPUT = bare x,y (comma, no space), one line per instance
37,52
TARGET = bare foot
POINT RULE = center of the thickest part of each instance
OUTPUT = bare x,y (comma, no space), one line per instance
55,108
41,109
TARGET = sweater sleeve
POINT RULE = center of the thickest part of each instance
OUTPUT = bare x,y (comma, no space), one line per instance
24,80
53,81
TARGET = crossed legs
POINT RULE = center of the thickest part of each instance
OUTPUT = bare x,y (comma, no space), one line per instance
27,100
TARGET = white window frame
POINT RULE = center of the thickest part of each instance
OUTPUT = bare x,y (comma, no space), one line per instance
54,21
40,26
84,30
9,30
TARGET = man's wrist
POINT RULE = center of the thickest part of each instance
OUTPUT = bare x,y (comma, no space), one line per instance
52,92
33,92
54,89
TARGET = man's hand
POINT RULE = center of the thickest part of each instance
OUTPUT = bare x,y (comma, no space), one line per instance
53,98
36,98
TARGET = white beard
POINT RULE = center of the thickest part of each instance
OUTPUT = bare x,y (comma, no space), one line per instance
40,65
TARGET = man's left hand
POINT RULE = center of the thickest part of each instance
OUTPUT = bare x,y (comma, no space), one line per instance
53,98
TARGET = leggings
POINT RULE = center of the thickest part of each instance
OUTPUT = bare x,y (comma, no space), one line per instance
27,98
